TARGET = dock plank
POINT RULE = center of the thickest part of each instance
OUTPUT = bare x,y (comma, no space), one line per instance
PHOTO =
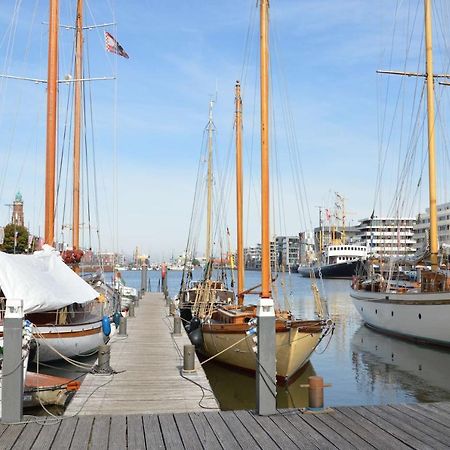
386,425
27,437
380,437
434,429
309,432
300,440
260,435
82,434
172,439
413,428
187,431
100,433
281,439
152,432
118,433
10,436
222,432
204,431
239,431
47,435
329,433
65,433
429,412
135,433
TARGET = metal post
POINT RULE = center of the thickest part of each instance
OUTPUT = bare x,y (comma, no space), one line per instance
315,392
266,403
177,326
104,357
189,358
172,309
131,309
144,278
123,326
12,371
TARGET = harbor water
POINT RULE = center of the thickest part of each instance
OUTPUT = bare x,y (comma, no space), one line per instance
364,367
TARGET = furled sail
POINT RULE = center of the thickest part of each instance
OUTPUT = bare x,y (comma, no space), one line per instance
42,281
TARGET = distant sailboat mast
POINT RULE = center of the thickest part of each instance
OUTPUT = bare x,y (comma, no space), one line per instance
52,96
77,127
210,128
239,197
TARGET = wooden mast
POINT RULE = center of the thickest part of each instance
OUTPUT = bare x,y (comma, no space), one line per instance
52,96
239,197
265,205
431,143
77,127
210,182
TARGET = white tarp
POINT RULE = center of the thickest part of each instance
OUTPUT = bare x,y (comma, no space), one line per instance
42,280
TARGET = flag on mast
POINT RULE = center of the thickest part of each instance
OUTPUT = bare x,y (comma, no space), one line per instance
113,46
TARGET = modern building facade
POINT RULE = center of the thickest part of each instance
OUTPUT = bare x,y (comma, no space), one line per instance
388,236
423,224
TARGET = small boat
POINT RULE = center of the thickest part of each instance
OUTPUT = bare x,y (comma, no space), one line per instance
41,389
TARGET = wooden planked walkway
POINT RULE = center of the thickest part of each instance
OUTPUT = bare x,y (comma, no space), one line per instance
396,427
148,363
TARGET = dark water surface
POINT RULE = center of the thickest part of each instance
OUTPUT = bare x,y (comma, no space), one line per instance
364,367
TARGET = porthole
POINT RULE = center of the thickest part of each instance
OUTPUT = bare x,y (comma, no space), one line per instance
376,311
420,316
362,309
392,313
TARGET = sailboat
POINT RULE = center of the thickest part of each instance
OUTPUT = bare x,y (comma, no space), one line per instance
420,311
66,312
227,331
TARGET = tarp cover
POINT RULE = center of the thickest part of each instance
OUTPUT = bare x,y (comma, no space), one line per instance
42,280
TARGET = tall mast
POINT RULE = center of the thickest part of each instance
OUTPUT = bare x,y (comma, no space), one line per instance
239,196
210,182
265,206
77,126
52,96
431,145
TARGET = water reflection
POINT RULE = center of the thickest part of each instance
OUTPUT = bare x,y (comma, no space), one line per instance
237,390
421,371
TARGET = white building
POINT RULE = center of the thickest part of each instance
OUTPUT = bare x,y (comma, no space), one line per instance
423,223
288,251
388,236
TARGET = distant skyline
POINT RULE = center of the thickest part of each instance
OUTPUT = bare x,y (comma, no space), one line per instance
181,54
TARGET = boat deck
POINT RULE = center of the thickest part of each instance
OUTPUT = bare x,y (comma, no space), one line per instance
413,426
148,363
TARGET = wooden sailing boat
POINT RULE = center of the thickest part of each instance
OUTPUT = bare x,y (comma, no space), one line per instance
421,312
69,322
225,332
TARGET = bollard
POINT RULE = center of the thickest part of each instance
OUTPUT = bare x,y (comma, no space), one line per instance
189,358
173,309
315,392
104,357
123,326
131,309
143,278
12,378
136,303
177,326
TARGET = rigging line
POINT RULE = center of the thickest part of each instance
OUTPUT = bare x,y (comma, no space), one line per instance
88,182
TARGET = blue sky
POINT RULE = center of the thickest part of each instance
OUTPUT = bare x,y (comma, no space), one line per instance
180,54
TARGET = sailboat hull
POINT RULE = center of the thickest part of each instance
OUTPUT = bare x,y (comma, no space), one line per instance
293,349
418,316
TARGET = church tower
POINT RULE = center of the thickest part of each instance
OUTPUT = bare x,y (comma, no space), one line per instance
17,211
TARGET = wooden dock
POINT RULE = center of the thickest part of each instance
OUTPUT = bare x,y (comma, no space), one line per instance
397,427
148,363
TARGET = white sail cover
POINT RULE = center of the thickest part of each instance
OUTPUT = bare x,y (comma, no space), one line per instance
42,280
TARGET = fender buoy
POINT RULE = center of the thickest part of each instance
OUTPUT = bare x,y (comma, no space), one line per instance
116,318
106,326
